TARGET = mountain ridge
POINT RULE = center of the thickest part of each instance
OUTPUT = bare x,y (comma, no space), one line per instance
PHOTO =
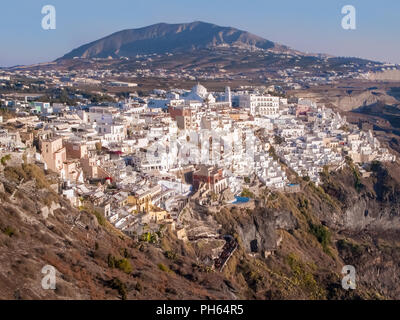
164,37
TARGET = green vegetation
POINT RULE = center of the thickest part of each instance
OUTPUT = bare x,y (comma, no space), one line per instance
272,153
170,255
60,96
345,245
117,284
121,264
214,196
99,147
273,196
124,265
247,193
88,207
356,173
323,195
100,218
149,237
303,204
357,180
324,174
303,278
27,172
322,234
111,261
4,159
98,98
163,267
9,231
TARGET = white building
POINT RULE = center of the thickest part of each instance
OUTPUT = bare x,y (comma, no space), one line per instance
263,105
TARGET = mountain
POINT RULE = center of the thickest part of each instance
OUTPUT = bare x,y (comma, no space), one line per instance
201,48
163,37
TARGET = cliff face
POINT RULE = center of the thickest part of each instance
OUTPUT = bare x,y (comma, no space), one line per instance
295,245
373,205
347,100
290,246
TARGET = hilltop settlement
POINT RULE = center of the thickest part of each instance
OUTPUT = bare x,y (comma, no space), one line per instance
142,161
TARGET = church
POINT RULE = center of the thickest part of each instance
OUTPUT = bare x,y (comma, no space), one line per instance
200,93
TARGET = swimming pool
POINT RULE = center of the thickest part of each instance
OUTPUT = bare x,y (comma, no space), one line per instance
241,199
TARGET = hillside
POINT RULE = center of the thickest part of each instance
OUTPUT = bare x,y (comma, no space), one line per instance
291,246
93,260
201,47
163,37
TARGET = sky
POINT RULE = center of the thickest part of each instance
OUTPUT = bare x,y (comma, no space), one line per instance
306,25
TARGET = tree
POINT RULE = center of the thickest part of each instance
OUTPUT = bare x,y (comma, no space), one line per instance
98,146
124,265
4,159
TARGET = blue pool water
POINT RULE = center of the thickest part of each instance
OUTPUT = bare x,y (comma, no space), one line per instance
241,199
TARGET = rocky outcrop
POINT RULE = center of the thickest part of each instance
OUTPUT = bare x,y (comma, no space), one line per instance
350,98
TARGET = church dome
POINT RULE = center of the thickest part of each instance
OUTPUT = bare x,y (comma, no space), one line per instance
199,90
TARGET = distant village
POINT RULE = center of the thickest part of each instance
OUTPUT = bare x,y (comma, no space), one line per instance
147,66
141,161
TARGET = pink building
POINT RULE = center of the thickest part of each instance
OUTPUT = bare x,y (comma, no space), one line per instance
54,154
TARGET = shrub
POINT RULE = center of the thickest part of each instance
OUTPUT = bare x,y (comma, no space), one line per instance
138,286
100,218
4,159
121,264
34,172
27,172
302,277
117,284
354,248
124,265
9,231
247,193
149,237
322,234
111,261
272,153
163,267
357,180
170,255
15,174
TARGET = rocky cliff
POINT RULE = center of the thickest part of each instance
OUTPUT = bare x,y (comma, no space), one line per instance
290,245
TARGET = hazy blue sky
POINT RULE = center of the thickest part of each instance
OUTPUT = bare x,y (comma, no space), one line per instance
307,25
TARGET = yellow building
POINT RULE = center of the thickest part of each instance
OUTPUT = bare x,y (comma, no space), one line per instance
143,198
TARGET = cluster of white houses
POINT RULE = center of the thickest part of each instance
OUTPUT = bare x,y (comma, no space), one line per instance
139,161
